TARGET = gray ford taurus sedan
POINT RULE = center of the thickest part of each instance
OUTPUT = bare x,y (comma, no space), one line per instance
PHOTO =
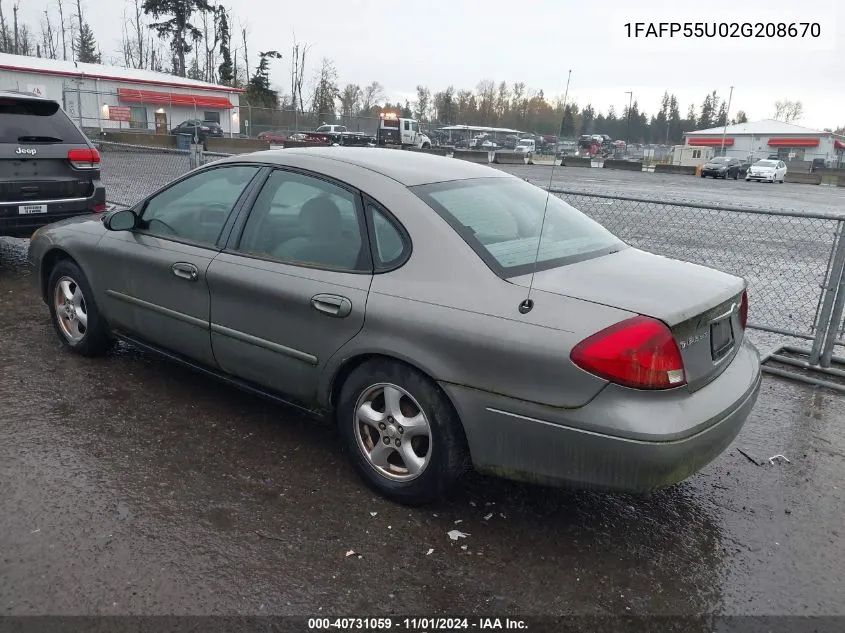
412,297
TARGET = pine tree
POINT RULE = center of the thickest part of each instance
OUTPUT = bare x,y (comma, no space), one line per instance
86,46
226,70
177,26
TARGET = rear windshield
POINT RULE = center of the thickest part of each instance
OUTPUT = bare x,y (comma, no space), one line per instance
33,122
390,123
501,219
766,163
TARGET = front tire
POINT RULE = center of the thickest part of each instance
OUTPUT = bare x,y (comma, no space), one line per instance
75,316
401,433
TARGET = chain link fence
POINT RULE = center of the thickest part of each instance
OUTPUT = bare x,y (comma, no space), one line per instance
785,255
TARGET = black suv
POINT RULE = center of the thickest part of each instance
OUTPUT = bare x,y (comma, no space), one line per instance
200,130
49,170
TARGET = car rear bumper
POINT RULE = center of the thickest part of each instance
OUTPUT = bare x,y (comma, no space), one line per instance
15,225
530,442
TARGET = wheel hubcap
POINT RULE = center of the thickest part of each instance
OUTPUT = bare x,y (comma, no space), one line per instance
392,432
71,310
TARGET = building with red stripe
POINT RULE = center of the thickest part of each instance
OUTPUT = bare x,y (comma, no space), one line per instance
100,97
762,139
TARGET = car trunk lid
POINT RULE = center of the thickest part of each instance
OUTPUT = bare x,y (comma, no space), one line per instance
700,305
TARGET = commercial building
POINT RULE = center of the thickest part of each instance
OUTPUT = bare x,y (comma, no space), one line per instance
760,139
100,97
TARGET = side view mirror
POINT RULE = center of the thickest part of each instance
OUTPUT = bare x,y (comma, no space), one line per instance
120,220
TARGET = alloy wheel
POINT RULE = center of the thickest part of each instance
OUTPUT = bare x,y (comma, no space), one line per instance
71,309
392,432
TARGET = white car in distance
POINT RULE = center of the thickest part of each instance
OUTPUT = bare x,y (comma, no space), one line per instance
767,171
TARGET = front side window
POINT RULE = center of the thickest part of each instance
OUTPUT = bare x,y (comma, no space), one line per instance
196,208
501,219
299,219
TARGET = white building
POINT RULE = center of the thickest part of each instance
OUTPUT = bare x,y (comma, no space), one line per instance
100,97
760,139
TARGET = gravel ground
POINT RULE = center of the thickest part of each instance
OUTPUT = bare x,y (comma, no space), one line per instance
131,486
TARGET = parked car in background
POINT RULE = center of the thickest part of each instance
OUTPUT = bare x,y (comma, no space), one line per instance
49,170
721,167
332,129
201,130
272,137
306,275
767,171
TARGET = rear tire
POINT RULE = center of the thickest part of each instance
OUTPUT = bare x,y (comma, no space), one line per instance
74,313
386,458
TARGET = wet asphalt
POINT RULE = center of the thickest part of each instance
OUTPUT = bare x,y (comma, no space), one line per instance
131,486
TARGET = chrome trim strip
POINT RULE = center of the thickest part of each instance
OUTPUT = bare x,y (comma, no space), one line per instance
724,315
57,201
264,343
179,316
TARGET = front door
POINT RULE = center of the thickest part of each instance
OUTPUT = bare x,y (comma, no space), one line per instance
161,122
291,289
154,277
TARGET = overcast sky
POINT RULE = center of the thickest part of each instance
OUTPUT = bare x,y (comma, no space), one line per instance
460,42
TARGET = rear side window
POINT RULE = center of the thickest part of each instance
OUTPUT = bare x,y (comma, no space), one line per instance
502,219
31,122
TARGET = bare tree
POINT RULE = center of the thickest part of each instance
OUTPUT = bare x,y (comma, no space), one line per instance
15,12
64,29
350,100
136,46
372,95
246,53
48,37
4,34
297,73
787,110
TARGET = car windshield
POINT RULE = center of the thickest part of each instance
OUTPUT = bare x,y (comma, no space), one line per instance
501,219
525,142
719,160
765,163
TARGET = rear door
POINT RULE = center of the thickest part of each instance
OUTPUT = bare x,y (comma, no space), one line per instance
36,173
291,287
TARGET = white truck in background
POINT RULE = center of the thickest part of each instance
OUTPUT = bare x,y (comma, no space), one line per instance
394,130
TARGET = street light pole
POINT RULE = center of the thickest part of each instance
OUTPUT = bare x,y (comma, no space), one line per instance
727,112
628,130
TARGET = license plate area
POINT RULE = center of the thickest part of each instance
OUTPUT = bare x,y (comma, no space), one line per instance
32,209
721,338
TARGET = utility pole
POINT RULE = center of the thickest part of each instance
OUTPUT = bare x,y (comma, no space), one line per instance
628,131
727,113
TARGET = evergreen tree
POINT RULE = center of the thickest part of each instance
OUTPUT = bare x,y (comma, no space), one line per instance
86,46
226,69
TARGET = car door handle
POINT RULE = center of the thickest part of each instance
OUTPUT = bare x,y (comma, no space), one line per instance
332,305
185,271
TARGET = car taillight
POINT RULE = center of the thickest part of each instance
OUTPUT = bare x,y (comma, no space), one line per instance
743,310
639,352
84,158
100,208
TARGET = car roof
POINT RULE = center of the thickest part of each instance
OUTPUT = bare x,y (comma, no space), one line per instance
405,166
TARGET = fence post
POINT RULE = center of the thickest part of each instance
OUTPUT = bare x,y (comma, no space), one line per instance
195,157
836,315
834,296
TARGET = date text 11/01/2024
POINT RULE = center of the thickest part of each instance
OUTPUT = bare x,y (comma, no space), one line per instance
723,29
415,624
